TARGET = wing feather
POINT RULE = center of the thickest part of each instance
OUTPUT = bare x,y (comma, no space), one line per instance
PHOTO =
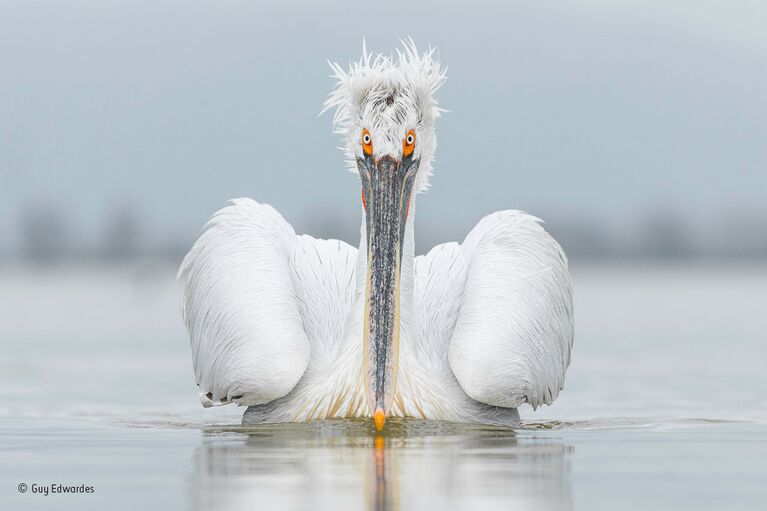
240,307
440,278
323,277
514,333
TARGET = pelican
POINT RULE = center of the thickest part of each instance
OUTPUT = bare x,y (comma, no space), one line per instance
298,328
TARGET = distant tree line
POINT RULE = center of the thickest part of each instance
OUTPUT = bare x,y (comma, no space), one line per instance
47,234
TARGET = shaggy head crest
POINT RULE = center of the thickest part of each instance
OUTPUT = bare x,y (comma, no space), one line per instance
388,96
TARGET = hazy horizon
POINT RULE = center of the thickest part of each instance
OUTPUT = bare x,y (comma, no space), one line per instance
623,126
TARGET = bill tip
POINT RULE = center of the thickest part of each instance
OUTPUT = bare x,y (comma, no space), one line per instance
379,417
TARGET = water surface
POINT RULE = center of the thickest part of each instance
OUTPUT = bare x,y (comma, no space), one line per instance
663,408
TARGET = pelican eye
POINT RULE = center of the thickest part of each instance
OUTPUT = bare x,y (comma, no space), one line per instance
367,142
408,144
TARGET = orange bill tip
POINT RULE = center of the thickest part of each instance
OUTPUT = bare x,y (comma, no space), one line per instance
379,417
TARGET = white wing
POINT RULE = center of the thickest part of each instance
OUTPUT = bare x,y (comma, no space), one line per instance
323,274
512,340
249,304
440,278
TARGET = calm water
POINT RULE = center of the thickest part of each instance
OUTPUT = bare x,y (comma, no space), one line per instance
664,408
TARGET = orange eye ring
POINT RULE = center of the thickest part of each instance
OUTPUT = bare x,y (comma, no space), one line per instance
367,142
408,143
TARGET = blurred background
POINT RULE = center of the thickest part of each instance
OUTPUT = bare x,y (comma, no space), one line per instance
637,131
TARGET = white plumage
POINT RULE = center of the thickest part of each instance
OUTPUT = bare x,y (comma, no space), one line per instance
277,320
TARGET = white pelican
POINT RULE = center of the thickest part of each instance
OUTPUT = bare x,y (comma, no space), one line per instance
299,328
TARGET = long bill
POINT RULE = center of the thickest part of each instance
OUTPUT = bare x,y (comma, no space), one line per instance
386,184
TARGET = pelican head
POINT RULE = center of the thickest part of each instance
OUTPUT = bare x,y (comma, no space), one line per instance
385,111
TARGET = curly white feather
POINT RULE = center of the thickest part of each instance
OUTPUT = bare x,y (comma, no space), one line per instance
359,98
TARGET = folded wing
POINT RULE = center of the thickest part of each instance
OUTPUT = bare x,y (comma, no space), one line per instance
247,336
512,340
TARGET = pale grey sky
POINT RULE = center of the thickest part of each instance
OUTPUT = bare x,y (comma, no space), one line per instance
566,109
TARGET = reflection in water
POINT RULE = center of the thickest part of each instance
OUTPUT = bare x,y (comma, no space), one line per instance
382,495
344,464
